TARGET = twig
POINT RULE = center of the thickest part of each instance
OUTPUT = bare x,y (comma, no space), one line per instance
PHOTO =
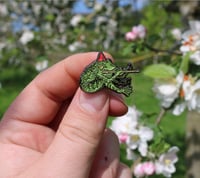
170,51
160,116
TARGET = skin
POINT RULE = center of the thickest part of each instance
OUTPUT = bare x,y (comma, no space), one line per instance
52,129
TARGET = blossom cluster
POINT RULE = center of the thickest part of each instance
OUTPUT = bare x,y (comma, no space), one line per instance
191,42
183,90
137,138
137,32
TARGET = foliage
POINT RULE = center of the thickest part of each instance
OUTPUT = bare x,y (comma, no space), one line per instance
47,31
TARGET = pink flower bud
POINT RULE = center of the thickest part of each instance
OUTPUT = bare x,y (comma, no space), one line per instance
140,31
144,169
123,138
148,168
130,36
138,171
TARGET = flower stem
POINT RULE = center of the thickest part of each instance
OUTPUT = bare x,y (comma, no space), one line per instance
160,116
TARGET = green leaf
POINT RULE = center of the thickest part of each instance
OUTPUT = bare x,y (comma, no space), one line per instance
127,50
49,17
185,63
159,146
160,71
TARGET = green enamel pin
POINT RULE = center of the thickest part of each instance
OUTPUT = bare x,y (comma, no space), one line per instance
103,73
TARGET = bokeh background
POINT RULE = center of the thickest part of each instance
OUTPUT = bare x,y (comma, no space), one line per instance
36,34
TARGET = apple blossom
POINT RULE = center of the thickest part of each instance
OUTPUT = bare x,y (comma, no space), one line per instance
179,108
149,168
192,96
41,65
127,122
98,6
195,57
190,93
191,42
144,169
123,137
176,33
138,139
168,90
138,170
26,37
138,32
76,45
130,36
165,164
76,19
3,10
130,154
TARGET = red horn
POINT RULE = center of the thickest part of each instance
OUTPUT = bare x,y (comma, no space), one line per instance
101,56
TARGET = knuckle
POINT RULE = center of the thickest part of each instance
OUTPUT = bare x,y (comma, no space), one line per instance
79,134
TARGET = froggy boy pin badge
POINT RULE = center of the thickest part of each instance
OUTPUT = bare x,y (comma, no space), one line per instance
103,73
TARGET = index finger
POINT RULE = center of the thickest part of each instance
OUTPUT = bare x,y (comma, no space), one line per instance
40,101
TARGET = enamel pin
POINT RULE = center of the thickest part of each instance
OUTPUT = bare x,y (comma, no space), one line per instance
103,73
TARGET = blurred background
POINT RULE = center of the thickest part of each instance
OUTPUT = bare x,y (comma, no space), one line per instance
36,34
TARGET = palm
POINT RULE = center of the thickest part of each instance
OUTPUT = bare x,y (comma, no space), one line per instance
24,147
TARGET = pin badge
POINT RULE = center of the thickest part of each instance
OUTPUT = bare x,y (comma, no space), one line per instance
103,73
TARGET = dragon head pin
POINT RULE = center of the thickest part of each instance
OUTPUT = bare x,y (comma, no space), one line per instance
103,73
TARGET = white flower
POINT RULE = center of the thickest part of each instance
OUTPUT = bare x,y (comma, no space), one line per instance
37,8
124,125
129,131
112,24
195,57
26,37
100,20
191,42
176,33
167,90
165,164
130,154
194,29
2,45
3,9
193,96
190,93
179,108
41,65
138,139
76,19
76,45
98,6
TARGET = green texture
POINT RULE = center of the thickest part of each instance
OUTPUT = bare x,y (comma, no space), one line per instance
104,73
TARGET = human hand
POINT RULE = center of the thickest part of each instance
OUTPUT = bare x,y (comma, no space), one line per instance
54,130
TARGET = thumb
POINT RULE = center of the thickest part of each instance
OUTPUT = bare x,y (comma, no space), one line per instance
78,136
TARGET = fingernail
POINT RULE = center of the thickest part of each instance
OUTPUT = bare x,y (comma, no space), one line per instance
93,102
118,96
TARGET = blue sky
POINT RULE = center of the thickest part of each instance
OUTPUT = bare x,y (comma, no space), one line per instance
80,6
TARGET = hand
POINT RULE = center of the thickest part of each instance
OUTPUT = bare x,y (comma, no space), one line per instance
54,130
